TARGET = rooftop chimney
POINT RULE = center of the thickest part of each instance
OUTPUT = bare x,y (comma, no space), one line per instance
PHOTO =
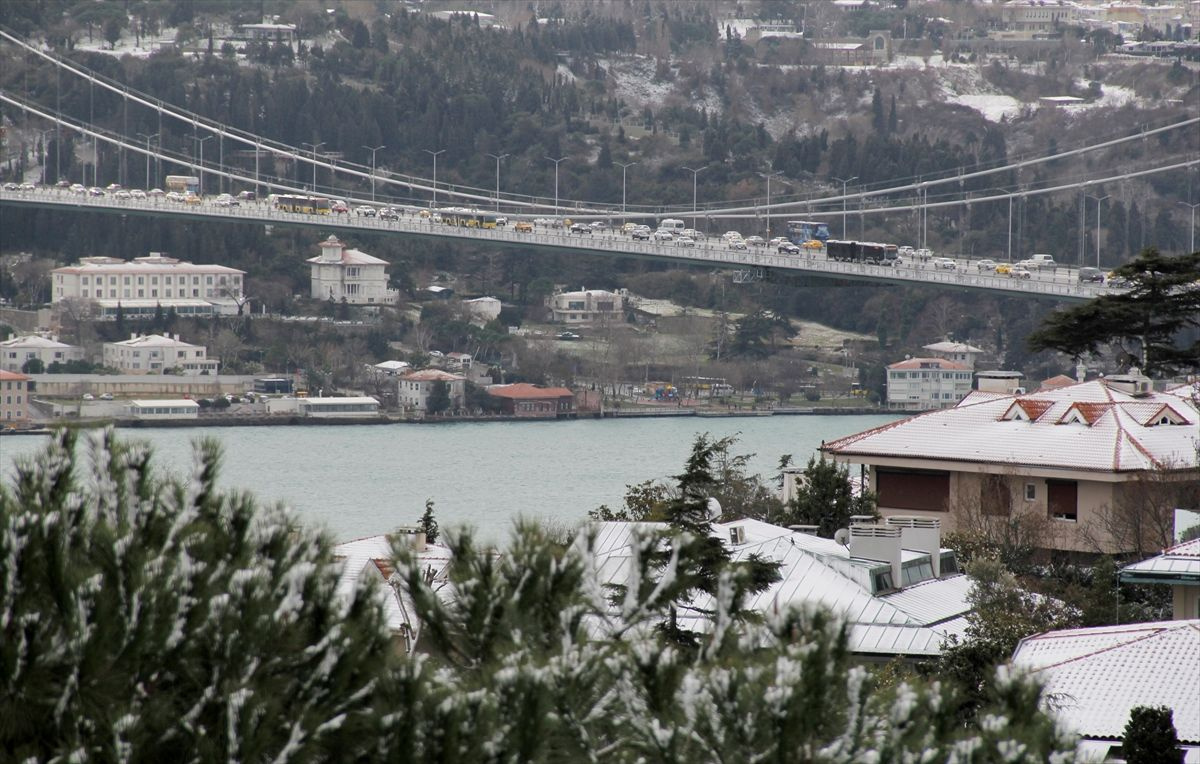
878,542
417,539
1080,373
920,534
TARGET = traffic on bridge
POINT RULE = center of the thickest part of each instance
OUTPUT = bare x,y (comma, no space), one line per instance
801,254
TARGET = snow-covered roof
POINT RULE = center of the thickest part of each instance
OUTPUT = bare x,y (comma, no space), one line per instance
154,341
952,347
186,403
1088,426
392,365
816,571
938,364
143,265
1178,564
371,557
33,341
1097,675
432,375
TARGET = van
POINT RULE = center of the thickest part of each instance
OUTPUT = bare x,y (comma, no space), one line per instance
1041,262
671,224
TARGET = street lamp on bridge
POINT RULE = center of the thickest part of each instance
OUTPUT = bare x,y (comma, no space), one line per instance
201,142
555,161
314,147
1098,200
768,176
844,181
373,150
624,166
695,174
1192,226
497,157
148,138
434,154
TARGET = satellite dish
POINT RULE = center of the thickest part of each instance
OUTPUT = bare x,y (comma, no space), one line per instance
842,536
714,508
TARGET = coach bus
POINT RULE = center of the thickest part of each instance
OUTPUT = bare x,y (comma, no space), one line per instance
188,185
312,205
461,216
800,231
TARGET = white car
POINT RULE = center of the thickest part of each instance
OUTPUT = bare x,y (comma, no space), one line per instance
737,244
988,266
944,263
756,241
138,193
1019,272
122,194
685,241
365,211
78,188
663,235
731,235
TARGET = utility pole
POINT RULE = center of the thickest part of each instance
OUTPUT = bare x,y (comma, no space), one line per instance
695,174
201,142
844,182
624,166
373,150
1192,225
555,161
148,138
434,154
1098,200
314,146
497,157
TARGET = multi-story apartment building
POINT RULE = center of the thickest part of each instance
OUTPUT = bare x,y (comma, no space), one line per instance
140,287
18,351
155,353
587,306
14,398
413,390
921,384
341,273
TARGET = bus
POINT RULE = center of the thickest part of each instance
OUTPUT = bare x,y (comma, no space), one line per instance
670,224
312,205
188,185
800,231
465,218
868,252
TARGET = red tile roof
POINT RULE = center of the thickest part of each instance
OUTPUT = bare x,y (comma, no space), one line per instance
432,375
525,391
1054,383
1032,407
12,376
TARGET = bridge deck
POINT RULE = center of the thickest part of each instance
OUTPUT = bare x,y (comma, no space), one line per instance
1061,284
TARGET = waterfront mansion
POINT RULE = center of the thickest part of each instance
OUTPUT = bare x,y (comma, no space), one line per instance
140,287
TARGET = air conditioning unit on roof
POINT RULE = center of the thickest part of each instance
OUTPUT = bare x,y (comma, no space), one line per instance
737,535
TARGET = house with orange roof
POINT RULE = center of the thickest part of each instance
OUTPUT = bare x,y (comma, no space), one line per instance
413,389
921,384
1093,464
534,401
14,398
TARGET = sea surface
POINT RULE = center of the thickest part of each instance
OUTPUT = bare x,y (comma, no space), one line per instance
359,480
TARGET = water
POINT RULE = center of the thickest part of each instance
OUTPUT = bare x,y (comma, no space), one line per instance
362,480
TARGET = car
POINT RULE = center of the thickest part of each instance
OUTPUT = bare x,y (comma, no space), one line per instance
228,200
122,194
581,228
598,225
106,396
26,187
63,184
174,196
986,265
906,251
813,244
641,233
113,187
340,208
1113,280
756,241
10,186
567,336
628,227
1019,272
923,253
435,217
685,241
156,192
731,235
523,226
788,248
78,188
663,235
137,193
776,241
737,244
692,234
365,210
95,191
501,221
88,397
192,199
247,196
944,263
387,213
423,214
1091,276
1003,269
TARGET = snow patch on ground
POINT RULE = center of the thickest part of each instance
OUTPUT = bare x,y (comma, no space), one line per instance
993,107
633,79
565,72
127,45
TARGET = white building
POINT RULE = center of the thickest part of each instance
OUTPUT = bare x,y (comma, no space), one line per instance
586,306
413,390
901,594
16,352
483,309
340,273
1040,16
350,407
959,352
922,384
156,353
1094,677
183,408
140,287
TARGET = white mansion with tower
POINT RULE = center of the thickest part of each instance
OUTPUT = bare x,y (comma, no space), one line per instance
341,273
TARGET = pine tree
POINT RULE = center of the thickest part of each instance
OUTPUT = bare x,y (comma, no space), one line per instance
428,523
825,498
158,620
1150,737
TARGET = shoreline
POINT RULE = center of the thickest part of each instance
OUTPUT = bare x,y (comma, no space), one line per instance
296,421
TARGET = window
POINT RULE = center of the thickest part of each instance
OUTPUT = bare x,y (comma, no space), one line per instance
575,305
1030,492
994,496
85,279
929,491
1062,500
